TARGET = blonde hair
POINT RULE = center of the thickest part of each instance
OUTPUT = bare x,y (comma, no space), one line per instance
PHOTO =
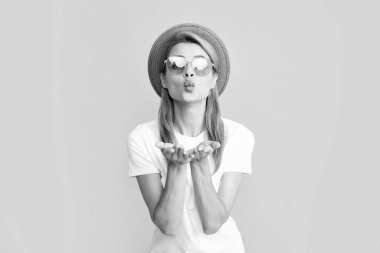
213,121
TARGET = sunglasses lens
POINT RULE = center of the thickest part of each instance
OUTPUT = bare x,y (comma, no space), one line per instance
201,66
176,64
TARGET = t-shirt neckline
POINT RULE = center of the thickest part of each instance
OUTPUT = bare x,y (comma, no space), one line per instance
189,138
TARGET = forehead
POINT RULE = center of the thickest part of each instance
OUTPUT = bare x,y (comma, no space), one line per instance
188,50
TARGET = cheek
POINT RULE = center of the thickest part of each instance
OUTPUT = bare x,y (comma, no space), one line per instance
205,83
173,81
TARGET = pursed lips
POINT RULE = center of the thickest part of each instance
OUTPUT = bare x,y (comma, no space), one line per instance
188,83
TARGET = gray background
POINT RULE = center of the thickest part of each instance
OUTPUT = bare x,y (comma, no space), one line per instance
304,79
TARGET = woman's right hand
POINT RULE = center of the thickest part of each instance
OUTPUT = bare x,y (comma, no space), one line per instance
175,153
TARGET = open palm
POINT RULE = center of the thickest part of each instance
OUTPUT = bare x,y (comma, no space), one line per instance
203,150
174,152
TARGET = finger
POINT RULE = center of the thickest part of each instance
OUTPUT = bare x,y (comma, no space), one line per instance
181,150
190,153
175,152
184,157
181,153
208,149
192,156
164,150
172,151
196,154
200,147
160,144
203,154
189,158
214,144
168,152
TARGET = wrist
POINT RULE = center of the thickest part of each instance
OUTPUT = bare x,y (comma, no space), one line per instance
177,168
200,166
176,165
203,163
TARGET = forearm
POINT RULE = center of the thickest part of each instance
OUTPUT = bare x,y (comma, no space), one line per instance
168,211
211,209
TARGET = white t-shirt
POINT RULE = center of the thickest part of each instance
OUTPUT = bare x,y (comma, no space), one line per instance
145,158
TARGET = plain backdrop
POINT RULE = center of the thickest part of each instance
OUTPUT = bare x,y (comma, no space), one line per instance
74,83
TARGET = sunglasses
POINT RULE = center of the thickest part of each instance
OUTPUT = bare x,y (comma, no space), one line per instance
177,64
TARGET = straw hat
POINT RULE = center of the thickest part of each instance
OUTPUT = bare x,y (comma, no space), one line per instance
159,49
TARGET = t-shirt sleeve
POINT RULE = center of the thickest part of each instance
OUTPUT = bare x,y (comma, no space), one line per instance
140,161
237,155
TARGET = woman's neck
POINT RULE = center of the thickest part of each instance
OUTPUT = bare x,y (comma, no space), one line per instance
189,117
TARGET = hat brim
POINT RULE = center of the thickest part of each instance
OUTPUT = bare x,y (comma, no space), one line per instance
159,48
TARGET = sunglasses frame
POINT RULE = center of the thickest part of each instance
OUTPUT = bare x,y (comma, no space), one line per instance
187,62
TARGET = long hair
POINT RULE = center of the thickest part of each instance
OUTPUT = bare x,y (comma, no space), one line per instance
213,122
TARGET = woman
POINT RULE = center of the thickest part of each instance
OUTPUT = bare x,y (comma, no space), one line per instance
190,162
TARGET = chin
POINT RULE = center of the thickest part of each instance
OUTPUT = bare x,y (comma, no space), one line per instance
183,96
193,99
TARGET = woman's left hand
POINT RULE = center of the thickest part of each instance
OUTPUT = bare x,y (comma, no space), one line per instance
203,150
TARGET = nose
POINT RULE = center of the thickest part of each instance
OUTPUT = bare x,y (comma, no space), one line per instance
189,72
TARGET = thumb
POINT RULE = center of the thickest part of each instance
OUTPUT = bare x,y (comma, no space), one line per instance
160,144
214,144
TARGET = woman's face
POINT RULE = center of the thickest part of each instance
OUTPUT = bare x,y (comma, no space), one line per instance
188,86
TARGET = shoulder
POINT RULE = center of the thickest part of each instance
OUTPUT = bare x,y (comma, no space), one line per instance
235,129
146,131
